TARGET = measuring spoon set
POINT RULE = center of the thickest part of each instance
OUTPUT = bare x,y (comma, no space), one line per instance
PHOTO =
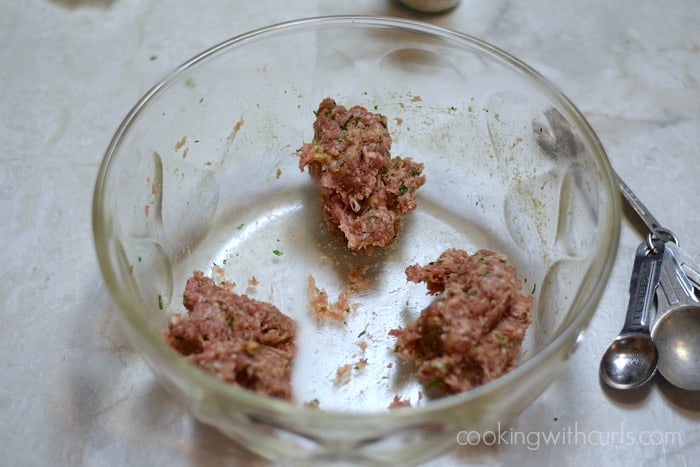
662,325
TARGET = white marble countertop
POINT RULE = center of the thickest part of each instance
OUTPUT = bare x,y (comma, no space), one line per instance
72,392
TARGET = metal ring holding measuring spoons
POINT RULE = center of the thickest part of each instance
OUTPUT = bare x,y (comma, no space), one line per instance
657,232
661,235
652,241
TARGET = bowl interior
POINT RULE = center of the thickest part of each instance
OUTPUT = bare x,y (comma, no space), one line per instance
202,175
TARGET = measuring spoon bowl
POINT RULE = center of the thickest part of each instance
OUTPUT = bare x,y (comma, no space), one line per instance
676,329
629,362
677,338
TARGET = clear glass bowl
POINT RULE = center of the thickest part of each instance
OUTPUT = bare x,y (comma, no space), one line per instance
201,174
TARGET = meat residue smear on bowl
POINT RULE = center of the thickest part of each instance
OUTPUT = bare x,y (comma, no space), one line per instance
468,335
325,310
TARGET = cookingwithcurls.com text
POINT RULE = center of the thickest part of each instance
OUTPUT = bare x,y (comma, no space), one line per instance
568,436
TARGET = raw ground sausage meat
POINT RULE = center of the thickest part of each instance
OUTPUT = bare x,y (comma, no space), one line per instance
472,331
364,191
238,339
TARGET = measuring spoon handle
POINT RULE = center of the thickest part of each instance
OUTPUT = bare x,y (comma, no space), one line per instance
646,274
657,230
676,288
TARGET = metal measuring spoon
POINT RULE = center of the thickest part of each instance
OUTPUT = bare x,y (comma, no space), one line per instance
688,265
631,359
676,331
657,231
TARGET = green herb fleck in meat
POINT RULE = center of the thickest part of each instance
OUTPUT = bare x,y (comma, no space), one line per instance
434,383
